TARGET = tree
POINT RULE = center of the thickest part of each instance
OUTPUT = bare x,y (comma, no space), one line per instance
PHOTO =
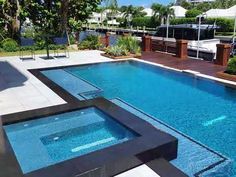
192,13
58,16
186,4
9,16
223,4
157,8
101,10
205,6
112,5
130,12
161,13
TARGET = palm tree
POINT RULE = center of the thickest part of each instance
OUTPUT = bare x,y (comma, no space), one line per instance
130,12
101,10
166,13
161,13
112,5
157,8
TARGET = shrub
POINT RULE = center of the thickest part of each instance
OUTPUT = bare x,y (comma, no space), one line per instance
130,43
178,21
9,45
117,51
72,39
226,25
231,68
145,21
192,13
90,42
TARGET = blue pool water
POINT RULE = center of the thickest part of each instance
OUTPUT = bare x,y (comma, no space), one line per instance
49,141
200,108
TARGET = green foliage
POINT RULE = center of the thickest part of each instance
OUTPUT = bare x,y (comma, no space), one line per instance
130,12
117,51
9,16
55,17
231,68
205,6
72,39
161,13
91,42
225,24
178,21
130,43
9,45
145,21
186,4
192,13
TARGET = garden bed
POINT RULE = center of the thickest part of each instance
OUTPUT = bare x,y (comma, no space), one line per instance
226,76
121,57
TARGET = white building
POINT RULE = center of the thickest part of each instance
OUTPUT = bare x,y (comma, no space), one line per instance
225,13
148,11
100,17
194,1
179,11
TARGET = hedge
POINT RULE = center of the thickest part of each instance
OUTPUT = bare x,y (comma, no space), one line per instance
226,25
192,13
144,21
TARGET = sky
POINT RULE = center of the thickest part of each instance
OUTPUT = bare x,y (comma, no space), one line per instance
145,3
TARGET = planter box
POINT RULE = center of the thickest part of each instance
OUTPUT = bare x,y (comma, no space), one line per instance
226,76
121,57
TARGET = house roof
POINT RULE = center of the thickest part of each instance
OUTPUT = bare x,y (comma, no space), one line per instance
227,13
149,12
179,11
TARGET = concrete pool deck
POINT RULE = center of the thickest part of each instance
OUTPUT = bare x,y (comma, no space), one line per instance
20,90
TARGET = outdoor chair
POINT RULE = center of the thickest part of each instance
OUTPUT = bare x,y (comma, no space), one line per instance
24,43
233,49
63,41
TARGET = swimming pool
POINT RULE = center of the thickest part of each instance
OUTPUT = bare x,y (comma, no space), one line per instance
49,141
200,108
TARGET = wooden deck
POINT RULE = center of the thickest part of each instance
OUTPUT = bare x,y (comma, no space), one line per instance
169,60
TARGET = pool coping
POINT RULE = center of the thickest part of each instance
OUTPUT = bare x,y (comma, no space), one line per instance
116,159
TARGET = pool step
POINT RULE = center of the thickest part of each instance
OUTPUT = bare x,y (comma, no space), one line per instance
91,94
71,83
97,143
194,159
